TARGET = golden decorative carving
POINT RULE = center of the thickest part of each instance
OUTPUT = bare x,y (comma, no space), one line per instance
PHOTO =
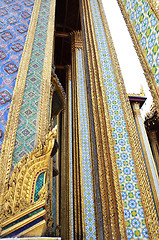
141,94
76,37
56,85
18,196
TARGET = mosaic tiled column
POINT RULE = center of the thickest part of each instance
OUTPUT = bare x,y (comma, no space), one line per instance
151,168
29,112
69,143
83,192
113,117
142,20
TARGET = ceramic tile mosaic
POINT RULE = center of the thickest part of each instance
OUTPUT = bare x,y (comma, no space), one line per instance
146,27
70,152
132,204
38,186
27,125
90,227
14,22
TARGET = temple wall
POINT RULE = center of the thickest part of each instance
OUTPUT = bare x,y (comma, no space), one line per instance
28,121
28,117
14,22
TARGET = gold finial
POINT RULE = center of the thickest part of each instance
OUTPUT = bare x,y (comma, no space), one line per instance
142,93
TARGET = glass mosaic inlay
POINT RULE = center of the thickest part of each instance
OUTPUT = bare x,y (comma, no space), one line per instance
131,198
26,131
90,227
146,27
14,22
39,185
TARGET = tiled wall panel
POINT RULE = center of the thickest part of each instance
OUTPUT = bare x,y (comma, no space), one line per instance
14,22
27,125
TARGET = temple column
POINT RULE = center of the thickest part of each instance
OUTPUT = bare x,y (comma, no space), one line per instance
83,190
66,212
119,153
151,167
69,142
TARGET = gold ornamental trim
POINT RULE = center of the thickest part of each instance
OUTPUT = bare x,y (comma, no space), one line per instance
76,38
144,186
22,214
12,123
46,77
22,223
37,230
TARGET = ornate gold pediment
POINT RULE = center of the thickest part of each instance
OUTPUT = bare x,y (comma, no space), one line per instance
19,197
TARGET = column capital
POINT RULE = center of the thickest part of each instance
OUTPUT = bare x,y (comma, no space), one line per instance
136,108
77,40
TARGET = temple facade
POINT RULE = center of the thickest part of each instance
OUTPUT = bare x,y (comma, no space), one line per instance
76,159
